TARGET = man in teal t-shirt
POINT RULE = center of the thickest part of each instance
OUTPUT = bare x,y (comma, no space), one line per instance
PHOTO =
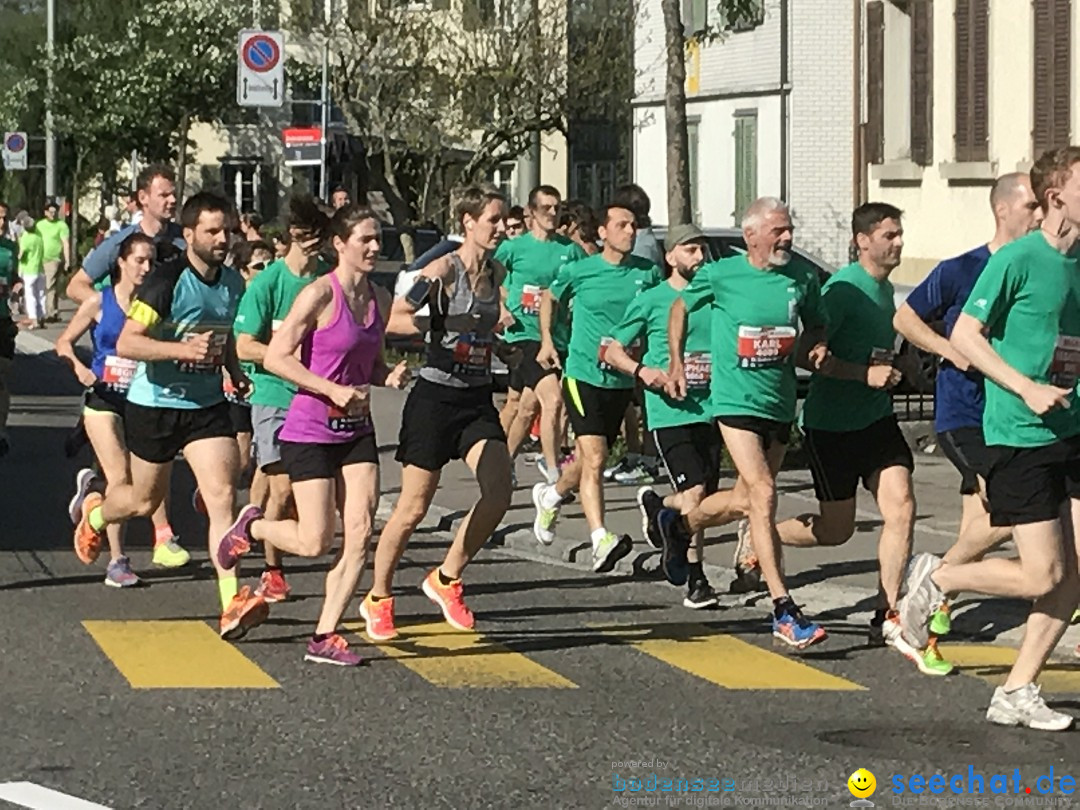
600,287
264,306
56,241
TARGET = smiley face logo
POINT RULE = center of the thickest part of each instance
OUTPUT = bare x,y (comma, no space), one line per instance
862,784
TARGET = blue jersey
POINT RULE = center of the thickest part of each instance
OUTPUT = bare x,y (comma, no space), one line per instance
960,398
175,304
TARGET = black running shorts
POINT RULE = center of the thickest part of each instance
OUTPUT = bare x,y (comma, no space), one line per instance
440,423
305,461
157,435
1032,484
595,411
839,460
966,449
769,430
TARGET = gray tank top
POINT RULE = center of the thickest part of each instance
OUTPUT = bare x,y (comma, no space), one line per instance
461,337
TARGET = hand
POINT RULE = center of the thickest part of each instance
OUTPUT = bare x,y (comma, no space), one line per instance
399,376
817,356
506,320
882,376
676,382
197,349
86,377
653,377
1044,398
243,385
353,401
959,361
547,357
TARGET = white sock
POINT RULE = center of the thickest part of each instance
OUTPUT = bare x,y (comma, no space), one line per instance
598,535
550,497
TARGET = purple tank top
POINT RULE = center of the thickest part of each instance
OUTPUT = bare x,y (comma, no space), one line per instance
343,352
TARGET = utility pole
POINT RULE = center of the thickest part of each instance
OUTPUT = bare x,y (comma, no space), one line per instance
324,173
50,136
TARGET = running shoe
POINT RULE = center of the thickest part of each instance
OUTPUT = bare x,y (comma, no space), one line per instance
379,617
701,595
246,611
549,475
638,473
609,551
676,542
450,600
922,597
87,540
1025,707
273,587
941,621
650,504
745,562
171,554
84,480
622,465
793,628
544,525
566,460
1076,616
929,660
332,650
237,540
120,575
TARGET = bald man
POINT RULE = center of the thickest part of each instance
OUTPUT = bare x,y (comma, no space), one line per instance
958,397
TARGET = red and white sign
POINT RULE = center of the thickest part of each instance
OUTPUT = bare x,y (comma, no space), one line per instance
302,146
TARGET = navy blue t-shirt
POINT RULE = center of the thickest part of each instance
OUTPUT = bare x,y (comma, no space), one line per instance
960,399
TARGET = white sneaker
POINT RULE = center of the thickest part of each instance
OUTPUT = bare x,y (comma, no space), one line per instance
1025,707
921,598
544,525
609,551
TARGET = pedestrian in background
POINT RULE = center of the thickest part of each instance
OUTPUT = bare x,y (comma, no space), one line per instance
56,242
32,271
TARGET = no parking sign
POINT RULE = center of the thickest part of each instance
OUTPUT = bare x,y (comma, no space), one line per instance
260,81
15,151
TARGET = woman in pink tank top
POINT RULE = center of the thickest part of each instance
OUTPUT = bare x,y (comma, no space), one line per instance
331,346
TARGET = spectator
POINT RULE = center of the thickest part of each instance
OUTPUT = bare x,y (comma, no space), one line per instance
56,239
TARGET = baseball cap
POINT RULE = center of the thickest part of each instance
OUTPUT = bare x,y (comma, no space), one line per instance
681,234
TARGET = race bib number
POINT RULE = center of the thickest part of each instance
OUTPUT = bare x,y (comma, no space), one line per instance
633,351
882,357
215,356
1065,365
761,346
472,355
698,368
118,373
530,299
339,421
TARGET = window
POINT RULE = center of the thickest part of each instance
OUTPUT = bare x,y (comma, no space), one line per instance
1053,66
692,129
745,162
241,181
502,177
748,16
593,182
695,15
972,81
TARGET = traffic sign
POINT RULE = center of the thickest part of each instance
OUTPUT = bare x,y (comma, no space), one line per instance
260,80
15,151
303,147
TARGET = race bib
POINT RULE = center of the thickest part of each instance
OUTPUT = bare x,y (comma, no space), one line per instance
698,368
1065,365
214,359
882,357
472,355
761,346
339,421
633,350
118,373
530,299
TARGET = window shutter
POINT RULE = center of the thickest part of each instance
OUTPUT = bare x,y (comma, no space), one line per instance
972,80
1053,68
875,81
922,82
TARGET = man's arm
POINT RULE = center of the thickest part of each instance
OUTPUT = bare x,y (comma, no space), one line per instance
676,385
95,267
920,334
135,343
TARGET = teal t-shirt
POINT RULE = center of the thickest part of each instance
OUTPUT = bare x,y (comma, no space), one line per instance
646,321
1029,299
264,306
859,310
9,261
600,293
175,303
756,316
531,266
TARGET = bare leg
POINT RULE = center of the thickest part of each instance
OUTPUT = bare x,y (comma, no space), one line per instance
509,410
214,463
417,490
312,534
549,392
592,452
527,408
896,501
490,461
834,526
106,434
977,536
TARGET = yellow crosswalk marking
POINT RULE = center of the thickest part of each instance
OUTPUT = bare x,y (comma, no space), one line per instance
457,660
727,661
175,655
992,664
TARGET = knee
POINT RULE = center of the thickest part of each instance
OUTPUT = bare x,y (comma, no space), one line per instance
1040,579
834,533
318,543
497,491
899,509
761,493
408,514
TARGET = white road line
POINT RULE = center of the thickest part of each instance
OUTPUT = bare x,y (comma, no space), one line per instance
36,797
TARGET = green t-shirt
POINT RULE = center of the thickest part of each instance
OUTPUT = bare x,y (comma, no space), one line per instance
1029,299
646,320
754,329
9,260
531,266
600,293
264,306
53,233
860,311
31,254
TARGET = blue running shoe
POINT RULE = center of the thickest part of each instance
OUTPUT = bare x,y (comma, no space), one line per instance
676,542
793,628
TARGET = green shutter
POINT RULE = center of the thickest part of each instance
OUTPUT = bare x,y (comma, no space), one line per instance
745,162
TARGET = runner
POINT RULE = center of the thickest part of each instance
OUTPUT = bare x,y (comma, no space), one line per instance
757,301
600,287
179,328
684,432
958,395
1021,329
107,381
851,433
449,413
9,280
261,314
327,439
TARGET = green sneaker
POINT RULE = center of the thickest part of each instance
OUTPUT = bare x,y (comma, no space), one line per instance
171,554
1076,617
941,621
609,551
933,662
544,525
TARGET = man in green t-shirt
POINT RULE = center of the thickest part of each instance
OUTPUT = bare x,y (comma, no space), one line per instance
9,263
532,262
600,288
267,301
757,301
56,239
1021,329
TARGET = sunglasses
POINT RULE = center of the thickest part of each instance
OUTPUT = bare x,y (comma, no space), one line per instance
257,267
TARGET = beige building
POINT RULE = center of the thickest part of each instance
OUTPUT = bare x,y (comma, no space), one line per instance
957,93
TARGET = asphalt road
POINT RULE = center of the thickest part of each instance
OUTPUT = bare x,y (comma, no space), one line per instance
575,686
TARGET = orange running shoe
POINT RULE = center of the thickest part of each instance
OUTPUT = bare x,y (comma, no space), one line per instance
379,617
245,611
87,539
450,601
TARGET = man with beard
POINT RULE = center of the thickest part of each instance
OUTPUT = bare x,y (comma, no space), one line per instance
179,329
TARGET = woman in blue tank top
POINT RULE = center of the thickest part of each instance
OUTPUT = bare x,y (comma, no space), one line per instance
106,381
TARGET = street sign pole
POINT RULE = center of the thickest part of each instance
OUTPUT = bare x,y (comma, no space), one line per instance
324,171
50,136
